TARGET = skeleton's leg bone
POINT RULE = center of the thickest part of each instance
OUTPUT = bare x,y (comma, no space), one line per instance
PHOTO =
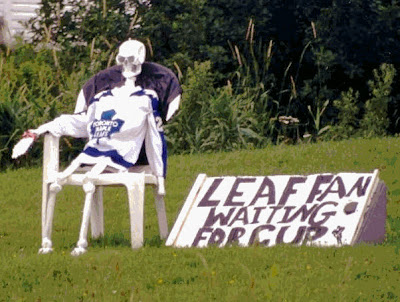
96,170
89,189
82,244
97,214
75,164
135,190
46,233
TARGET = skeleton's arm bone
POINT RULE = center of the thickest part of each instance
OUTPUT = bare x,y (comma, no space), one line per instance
67,124
80,103
173,107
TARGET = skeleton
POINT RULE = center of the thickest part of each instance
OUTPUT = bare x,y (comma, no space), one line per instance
131,56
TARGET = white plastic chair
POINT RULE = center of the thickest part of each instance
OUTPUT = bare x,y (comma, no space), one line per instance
134,181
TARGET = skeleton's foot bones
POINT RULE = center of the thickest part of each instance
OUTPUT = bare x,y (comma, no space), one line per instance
81,248
45,250
78,251
46,246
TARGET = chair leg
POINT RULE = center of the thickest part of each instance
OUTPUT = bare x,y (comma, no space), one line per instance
135,189
161,214
45,199
47,219
50,166
82,244
97,214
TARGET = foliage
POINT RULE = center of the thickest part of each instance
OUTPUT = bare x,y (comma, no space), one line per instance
375,121
253,73
26,88
219,119
361,33
321,48
33,90
347,119
84,30
176,31
184,132
315,91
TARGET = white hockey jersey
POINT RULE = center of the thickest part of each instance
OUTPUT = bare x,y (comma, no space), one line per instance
154,77
117,123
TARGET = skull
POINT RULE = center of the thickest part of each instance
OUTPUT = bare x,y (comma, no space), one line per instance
131,56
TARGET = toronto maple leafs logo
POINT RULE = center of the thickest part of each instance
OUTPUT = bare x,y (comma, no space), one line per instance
106,125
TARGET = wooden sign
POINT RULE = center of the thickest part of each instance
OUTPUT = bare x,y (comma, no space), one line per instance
319,209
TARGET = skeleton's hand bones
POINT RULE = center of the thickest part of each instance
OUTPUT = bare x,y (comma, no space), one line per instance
28,137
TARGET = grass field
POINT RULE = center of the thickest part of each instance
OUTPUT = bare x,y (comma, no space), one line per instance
112,271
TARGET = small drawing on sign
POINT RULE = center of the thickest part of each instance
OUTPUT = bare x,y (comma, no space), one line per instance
338,234
350,208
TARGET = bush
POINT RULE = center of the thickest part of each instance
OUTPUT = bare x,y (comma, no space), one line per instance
218,119
347,118
375,120
33,90
185,132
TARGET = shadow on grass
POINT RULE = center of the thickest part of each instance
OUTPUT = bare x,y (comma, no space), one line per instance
116,239
119,239
393,233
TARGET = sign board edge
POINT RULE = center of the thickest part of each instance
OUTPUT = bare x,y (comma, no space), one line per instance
187,206
374,185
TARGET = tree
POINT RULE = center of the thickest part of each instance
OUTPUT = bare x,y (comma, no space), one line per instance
84,30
